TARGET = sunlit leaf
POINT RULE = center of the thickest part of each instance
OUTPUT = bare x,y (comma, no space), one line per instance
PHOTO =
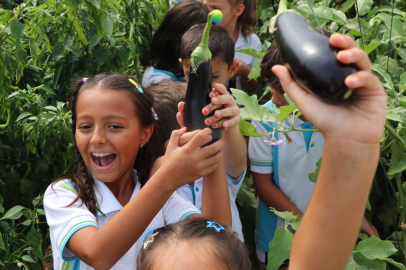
248,129
279,248
255,72
13,213
375,248
108,27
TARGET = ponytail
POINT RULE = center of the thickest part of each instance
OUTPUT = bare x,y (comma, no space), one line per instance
248,18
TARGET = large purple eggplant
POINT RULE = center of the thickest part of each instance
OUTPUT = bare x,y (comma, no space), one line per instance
310,58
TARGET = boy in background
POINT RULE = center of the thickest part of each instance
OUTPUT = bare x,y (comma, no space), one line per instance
280,172
226,117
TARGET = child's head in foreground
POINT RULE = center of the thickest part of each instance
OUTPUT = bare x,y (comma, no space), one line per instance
112,123
164,51
195,243
221,45
167,95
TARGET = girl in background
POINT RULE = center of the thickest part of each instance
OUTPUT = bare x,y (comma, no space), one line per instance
239,19
162,58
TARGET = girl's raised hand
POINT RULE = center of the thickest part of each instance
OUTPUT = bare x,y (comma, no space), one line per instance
227,113
189,162
360,119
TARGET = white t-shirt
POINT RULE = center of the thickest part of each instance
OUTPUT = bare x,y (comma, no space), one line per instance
194,194
153,75
65,221
243,43
290,165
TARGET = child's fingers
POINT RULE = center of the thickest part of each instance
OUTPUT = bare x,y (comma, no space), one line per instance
212,159
342,41
181,106
211,107
213,93
221,89
355,56
212,149
199,139
175,139
181,121
185,138
363,79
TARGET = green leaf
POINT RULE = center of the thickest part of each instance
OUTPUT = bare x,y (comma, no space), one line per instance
17,29
347,5
33,238
255,72
34,50
403,80
375,248
313,175
351,265
386,76
41,212
41,167
287,216
23,115
13,213
279,248
364,6
2,246
252,110
26,187
130,44
245,197
108,27
248,129
368,207
397,264
397,26
51,108
250,51
372,46
366,264
46,89
398,167
68,43
58,50
285,111
27,258
95,40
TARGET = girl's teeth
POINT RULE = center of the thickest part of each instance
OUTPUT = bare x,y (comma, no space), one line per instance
101,154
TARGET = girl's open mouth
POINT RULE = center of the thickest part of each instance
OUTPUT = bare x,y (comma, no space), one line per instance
103,160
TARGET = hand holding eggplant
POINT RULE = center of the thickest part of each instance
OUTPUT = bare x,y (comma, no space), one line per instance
362,118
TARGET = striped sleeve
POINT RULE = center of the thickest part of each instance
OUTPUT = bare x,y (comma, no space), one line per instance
64,220
260,153
177,209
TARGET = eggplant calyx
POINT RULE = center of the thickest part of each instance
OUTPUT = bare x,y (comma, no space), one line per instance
202,53
282,8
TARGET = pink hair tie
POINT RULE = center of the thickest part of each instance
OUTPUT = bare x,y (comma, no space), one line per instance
154,114
85,80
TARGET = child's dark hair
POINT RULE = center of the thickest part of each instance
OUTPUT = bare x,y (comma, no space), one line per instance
224,246
167,95
221,44
164,50
83,179
271,58
248,18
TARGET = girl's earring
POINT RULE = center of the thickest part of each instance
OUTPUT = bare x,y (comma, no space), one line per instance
142,145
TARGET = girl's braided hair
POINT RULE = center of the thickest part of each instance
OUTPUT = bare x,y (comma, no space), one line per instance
83,180
224,245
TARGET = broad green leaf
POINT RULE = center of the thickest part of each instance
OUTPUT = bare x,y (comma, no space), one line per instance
393,115
387,36
366,264
287,216
95,40
58,50
323,14
41,211
397,27
398,167
347,5
46,89
295,223
389,10
372,46
255,72
17,29
252,110
386,77
27,222
364,6
13,213
33,238
245,197
285,111
68,43
375,248
313,175
339,17
27,258
248,129
51,108
403,80
130,44
108,27
266,91
279,248
397,264
351,265
288,99
23,115
34,50
402,53
250,51
394,69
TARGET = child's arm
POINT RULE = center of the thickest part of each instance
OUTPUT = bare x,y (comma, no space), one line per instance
242,71
102,248
352,131
226,117
271,195
215,198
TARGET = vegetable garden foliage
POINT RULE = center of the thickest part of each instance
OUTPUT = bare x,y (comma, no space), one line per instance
44,47
387,196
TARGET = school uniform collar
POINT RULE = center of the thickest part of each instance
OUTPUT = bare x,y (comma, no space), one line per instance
106,201
241,41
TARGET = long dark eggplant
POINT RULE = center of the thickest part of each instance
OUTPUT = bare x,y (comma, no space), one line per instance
199,86
310,58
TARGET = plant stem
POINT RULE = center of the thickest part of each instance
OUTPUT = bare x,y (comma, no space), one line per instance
8,120
395,135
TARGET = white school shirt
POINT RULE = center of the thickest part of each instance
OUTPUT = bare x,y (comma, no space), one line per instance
243,43
65,221
290,165
153,75
194,194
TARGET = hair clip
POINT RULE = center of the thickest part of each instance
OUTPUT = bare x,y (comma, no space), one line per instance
136,86
215,225
154,114
84,80
150,240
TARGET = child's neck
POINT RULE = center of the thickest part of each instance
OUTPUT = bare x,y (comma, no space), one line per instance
122,188
234,30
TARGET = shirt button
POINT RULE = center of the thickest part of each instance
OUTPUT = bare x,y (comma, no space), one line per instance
312,145
197,189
